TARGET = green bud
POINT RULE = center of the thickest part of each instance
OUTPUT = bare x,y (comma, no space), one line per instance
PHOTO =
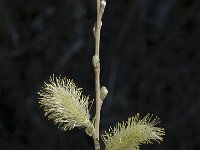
95,60
89,130
103,92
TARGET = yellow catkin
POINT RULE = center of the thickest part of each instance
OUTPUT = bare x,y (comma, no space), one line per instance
131,134
64,103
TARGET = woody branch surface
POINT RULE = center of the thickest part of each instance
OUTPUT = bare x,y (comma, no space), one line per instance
96,63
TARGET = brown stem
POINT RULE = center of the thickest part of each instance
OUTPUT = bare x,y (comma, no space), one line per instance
97,30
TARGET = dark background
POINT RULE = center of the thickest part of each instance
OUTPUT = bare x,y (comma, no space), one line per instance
150,62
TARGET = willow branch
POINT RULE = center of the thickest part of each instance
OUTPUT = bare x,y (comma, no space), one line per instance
97,30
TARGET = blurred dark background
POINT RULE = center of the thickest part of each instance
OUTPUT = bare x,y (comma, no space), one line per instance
150,62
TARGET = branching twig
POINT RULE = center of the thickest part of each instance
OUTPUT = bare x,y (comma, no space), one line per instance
97,29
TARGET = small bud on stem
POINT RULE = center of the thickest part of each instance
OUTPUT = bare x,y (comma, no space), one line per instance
102,7
103,92
103,4
95,61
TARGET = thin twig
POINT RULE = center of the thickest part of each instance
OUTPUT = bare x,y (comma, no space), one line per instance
97,29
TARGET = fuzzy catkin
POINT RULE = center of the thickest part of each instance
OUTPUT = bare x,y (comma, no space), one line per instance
64,103
131,134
